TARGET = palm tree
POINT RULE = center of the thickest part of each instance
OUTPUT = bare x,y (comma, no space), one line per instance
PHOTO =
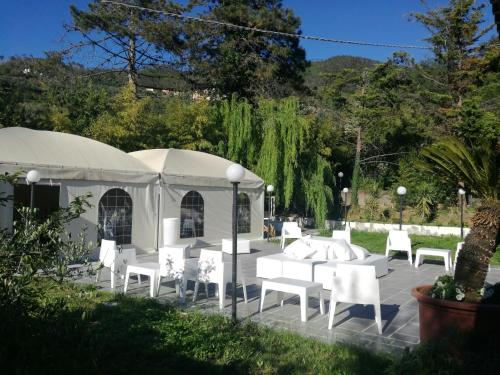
477,169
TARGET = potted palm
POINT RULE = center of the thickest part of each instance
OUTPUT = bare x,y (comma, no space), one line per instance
463,302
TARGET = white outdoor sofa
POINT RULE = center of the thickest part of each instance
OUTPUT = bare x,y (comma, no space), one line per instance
319,271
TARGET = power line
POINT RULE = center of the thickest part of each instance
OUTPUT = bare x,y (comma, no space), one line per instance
264,31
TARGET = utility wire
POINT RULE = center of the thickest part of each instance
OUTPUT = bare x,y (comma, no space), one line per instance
264,31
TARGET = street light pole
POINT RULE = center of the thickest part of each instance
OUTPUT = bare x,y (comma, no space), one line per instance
234,173
340,174
461,193
345,191
401,192
32,177
270,189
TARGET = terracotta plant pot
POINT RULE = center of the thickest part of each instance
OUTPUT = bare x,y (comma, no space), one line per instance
439,316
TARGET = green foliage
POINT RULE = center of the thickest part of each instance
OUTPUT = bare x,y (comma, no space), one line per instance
123,334
445,288
247,63
243,137
475,167
34,246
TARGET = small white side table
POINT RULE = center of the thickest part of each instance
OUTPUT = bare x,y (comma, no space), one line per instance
242,246
302,288
445,254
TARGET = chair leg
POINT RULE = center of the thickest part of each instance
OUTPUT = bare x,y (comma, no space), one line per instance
206,290
410,258
139,279
244,284
333,304
321,304
222,294
152,284
158,286
378,317
127,276
196,287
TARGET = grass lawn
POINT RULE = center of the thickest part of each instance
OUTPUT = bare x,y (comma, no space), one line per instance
73,329
375,242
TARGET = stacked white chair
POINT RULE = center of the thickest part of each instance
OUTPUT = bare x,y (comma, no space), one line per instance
290,229
399,240
356,284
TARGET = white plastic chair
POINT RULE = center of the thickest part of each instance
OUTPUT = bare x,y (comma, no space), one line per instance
355,284
400,241
109,257
290,229
212,269
172,267
342,234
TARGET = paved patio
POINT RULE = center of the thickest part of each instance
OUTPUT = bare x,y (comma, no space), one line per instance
353,324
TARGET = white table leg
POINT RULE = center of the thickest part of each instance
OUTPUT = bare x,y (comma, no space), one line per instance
262,297
417,260
333,304
152,283
280,298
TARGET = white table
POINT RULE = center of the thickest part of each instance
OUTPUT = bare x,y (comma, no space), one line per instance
445,254
302,288
242,246
151,270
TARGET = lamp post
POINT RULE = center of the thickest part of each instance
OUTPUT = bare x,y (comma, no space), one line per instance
461,193
32,178
345,191
234,174
270,189
401,192
340,174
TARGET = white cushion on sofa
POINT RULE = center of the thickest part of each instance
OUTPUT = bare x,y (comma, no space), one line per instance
342,250
298,249
320,254
360,252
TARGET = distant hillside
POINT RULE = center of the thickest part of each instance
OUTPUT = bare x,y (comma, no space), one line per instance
334,64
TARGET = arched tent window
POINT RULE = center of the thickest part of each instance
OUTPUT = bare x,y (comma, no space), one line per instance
192,215
115,217
243,213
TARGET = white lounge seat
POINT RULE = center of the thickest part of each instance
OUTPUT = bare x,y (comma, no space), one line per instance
400,241
320,271
324,273
290,229
356,284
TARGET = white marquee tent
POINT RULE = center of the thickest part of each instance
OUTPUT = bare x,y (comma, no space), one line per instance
130,192
184,171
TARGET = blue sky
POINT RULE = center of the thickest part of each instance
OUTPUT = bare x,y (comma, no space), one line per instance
30,27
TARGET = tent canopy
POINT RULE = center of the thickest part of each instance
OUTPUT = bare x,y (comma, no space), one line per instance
66,156
186,167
